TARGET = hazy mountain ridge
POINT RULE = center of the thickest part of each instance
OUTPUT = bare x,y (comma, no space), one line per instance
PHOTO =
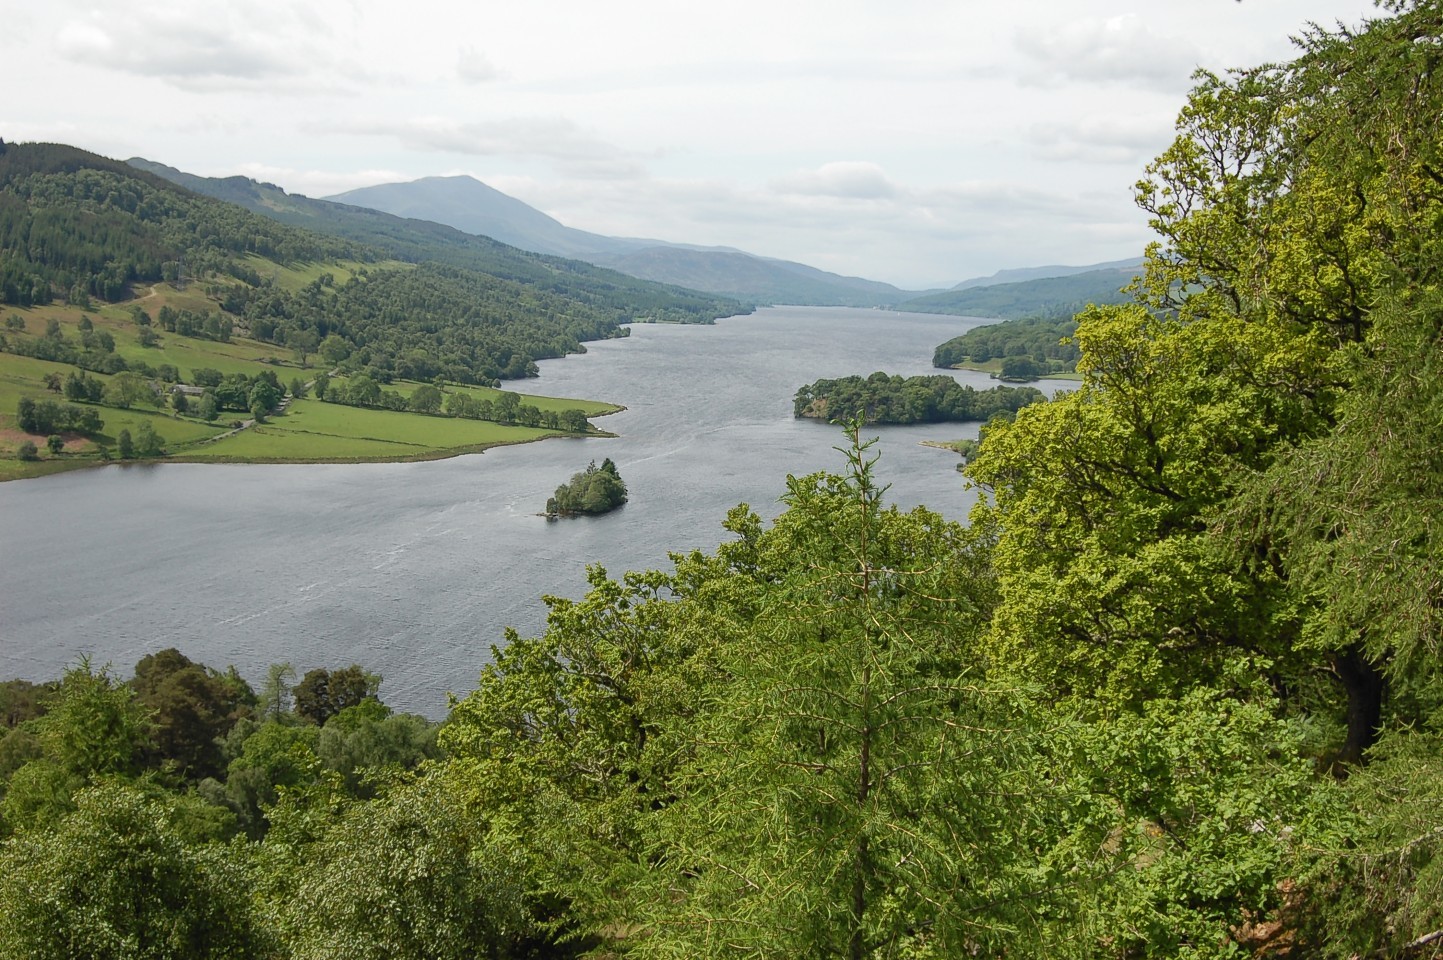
469,205
417,241
1023,274
1050,296
467,218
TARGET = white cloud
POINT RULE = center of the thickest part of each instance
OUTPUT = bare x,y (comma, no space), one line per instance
1120,50
472,66
575,151
211,45
1110,139
853,179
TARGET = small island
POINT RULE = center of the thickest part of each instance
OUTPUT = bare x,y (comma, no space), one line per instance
592,491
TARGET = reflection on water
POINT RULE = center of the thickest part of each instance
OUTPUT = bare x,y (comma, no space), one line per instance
413,570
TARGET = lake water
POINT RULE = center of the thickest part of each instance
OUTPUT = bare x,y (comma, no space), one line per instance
413,570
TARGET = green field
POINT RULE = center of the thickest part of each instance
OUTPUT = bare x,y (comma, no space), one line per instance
314,431
592,408
296,276
310,431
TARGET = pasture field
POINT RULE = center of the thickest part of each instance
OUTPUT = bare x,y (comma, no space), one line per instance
309,431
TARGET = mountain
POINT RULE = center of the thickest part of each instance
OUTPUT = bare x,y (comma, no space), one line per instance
732,273
1021,274
475,208
1049,296
419,241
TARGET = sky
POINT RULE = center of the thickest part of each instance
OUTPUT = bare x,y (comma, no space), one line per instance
919,142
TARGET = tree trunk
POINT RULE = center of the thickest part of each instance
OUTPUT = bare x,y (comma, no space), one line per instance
1364,685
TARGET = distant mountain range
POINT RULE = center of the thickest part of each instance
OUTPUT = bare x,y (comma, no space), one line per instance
470,205
1054,296
421,241
1023,274
463,221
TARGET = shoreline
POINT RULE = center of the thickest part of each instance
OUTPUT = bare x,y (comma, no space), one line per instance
52,467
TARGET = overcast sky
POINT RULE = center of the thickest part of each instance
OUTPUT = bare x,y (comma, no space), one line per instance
919,142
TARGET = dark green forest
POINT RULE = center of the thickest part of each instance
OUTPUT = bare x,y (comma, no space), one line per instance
74,226
881,398
1174,690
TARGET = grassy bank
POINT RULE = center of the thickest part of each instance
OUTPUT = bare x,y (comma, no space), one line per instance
310,431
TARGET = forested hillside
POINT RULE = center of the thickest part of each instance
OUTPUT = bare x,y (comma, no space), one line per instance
1174,692
74,225
1050,296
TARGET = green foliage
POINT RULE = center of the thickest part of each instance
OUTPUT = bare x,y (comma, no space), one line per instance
895,399
1381,893
267,759
322,693
399,877
426,399
50,417
191,708
366,741
1197,810
569,741
117,879
1111,581
849,778
91,726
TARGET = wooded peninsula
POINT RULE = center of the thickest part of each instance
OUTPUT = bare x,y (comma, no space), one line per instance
1174,691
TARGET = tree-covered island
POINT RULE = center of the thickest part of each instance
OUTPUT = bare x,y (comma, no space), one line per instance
895,399
591,491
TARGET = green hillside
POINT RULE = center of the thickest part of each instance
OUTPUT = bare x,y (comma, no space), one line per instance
1054,296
